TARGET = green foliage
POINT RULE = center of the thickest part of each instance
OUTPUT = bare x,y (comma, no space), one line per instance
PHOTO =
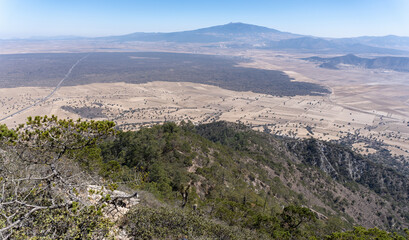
360,233
70,223
293,216
240,178
168,223
45,179
291,222
6,133
163,152
223,193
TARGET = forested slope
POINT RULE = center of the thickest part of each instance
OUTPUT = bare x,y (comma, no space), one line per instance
218,180
237,175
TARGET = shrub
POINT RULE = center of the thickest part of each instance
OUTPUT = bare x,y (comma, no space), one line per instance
147,223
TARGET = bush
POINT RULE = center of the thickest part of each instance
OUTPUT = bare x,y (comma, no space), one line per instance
147,223
362,233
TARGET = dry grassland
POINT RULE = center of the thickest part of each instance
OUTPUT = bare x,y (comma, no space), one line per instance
132,106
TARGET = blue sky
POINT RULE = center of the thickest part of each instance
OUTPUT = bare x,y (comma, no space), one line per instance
326,18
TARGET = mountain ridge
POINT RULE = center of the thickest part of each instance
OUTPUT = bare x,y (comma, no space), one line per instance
400,64
250,36
217,33
242,35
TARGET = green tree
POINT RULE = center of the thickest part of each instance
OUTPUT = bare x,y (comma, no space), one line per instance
361,233
42,183
293,216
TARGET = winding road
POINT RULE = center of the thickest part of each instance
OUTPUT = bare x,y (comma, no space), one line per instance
49,95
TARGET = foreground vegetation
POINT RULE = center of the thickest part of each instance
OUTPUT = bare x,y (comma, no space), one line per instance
218,181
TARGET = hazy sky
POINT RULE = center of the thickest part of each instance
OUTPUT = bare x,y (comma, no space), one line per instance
327,18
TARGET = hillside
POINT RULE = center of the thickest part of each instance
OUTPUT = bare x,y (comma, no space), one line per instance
218,180
227,166
400,64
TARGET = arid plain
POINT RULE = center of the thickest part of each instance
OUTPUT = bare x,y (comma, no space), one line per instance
364,104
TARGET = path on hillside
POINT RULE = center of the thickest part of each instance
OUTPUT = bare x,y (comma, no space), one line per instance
49,95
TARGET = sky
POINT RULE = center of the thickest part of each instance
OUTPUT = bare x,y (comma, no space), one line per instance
90,18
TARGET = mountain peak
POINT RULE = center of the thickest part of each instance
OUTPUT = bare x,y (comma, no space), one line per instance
237,27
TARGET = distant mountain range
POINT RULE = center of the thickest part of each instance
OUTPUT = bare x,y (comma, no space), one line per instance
320,45
232,32
389,41
389,63
241,35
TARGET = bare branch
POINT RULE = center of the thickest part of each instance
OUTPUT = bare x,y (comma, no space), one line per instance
35,208
35,178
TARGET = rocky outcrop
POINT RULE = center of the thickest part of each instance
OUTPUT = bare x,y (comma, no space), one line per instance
119,202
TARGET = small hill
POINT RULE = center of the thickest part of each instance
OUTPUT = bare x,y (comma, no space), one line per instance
390,41
400,64
304,43
321,45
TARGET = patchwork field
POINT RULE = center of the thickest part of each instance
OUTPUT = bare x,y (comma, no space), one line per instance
134,105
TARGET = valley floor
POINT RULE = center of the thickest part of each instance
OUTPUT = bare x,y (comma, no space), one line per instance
134,105
365,104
